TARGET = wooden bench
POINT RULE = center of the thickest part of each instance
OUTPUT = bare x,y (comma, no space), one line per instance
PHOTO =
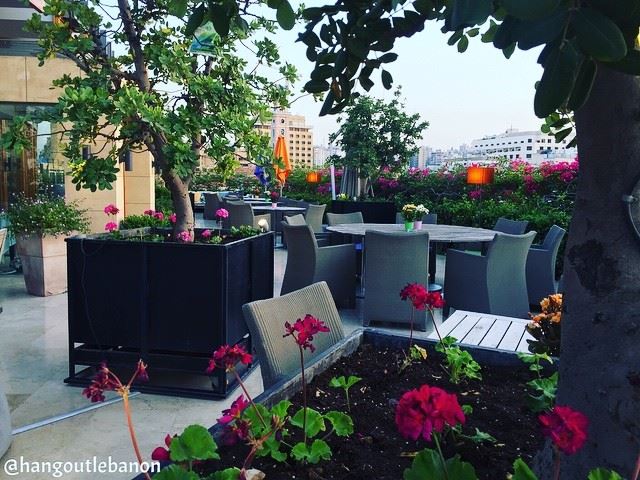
486,330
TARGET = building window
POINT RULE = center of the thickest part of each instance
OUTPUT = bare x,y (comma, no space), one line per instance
528,155
529,148
529,140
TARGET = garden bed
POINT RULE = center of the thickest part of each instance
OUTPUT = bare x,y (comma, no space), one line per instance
376,449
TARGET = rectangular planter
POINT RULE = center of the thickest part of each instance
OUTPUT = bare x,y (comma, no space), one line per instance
170,304
372,212
44,264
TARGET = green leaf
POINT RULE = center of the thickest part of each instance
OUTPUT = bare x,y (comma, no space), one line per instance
603,474
469,13
232,473
318,450
285,15
463,44
220,18
528,9
521,471
598,36
327,104
175,472
315,421
506,33
281,409
195,443
317,86
582,87
481,437
387,79
195,20
341,422
557,80
423,6
178,8
388,57
542,31
427,465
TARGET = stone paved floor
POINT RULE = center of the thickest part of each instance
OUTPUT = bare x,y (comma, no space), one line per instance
33,363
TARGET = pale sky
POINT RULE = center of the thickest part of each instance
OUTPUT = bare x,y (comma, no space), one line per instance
463,96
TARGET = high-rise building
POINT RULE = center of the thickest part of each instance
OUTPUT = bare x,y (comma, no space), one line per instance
531,146
322,152
298,136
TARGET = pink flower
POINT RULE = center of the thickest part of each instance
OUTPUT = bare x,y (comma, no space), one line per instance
234,411
161,454
111,226
566,176
304,329
475,194
206,234
159,216
173,218
222,213
184,236
567,428
111,209
149,212
424,410
228,357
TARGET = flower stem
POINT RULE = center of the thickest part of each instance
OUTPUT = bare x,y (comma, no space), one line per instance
636,470
556,464
411,328
433,320
132,433
246,393
304,397
444,463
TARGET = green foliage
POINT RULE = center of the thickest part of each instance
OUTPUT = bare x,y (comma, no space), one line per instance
122,100
45,216
603,474
176,472
377,135
232,473
142,221
428,464
163,197
459,363
345,384
318,450
521,471
315,421
195,443
544,389
244,231
341,422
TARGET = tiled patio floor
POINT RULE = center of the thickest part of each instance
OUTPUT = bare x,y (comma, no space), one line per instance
33,363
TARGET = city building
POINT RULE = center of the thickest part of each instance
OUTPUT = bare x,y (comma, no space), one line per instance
532,146
26,86
322,152
298,136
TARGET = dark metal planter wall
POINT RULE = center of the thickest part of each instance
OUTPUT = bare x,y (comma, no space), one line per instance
167,303
372,212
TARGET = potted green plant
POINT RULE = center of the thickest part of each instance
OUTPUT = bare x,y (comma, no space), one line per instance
40,225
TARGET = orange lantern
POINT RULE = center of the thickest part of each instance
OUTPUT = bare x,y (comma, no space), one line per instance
313,177
480,175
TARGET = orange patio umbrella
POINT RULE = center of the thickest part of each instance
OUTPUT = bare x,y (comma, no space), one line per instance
281,153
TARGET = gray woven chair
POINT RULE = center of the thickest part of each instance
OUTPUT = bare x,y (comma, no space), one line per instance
314,217
340,218
241,213
428,219
541,266
512,227
392,261
300,219
492,283
307,263
279,357
212,202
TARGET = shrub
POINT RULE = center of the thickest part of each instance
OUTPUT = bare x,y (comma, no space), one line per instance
43,216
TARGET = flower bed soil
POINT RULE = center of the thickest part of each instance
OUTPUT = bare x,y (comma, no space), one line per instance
377,451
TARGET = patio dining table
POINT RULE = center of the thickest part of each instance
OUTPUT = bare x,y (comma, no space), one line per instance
438,233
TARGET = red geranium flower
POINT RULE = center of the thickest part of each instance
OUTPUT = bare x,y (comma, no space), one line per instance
424,410
420,297
103,381
304,329
228,357
234,411
567,428
161,454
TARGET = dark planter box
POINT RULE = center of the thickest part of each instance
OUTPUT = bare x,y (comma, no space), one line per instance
170,304
372,212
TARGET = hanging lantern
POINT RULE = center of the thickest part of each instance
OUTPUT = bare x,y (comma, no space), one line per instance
480,175
313,177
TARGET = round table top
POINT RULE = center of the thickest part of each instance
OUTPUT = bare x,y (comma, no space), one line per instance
437,233
279,208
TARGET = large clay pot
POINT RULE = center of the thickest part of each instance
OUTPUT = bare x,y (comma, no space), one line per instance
44,263
5,423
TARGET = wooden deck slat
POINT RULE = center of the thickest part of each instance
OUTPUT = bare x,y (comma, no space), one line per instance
479,331
523,346
512,337
449,324
493,338
465,326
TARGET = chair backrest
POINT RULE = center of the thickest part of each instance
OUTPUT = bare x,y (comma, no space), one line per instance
428,219
314,217
552,239
392,260
279,357
506,278
512,227
295,219
340,218
301,256
240,213
211,205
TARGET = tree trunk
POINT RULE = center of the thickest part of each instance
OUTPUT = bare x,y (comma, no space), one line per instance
181,203
600,363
